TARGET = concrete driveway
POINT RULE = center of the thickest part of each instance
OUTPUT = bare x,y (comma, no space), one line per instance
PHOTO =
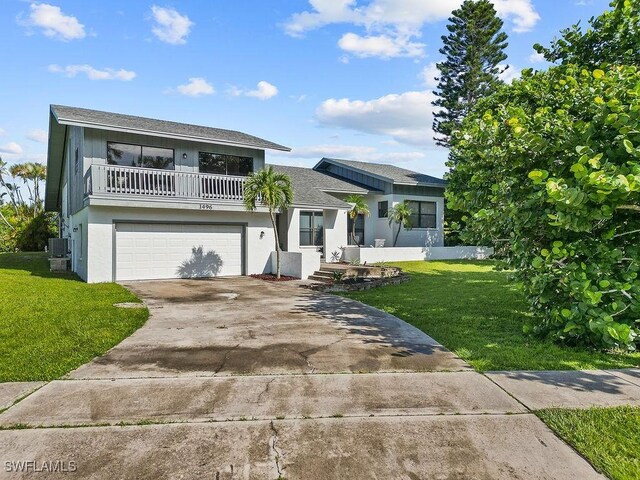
242,326
239,379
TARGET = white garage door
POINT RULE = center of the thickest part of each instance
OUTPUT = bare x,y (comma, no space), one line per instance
151,251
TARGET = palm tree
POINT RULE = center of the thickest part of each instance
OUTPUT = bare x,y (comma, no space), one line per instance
38,174
21,170
359,208
401,214
273,190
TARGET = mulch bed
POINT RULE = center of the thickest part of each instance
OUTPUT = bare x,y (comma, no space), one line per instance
272,278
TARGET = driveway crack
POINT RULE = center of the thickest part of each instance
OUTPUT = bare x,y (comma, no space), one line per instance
265,390
277,454
305,358
224,359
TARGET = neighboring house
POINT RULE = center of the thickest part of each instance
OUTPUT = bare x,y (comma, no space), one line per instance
146,199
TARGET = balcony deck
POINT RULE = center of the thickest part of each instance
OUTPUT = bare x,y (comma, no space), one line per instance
118,181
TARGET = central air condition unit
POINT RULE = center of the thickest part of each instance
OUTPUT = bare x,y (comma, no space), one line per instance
58,247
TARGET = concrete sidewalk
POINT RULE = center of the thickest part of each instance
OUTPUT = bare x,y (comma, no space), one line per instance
572,388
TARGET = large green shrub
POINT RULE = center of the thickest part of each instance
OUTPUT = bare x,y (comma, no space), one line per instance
548,169
22,231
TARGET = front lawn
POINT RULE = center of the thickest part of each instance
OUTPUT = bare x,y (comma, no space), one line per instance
608,437
474,311
51,324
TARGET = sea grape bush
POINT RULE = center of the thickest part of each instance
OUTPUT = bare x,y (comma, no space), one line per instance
548,170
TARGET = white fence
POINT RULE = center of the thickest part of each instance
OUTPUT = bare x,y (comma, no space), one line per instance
403,254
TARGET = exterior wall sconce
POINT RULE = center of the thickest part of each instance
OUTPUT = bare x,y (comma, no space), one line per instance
184,156
262,234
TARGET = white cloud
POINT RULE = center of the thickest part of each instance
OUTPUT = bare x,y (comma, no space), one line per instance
405,117
383,46
93,73
53,22
38,135
429,74
170,26
536,58
520,12
195,87
263,91
510,74
11,148
392,26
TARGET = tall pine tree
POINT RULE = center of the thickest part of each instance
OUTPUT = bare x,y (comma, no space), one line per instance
473,50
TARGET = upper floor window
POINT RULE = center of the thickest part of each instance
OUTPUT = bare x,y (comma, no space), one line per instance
128,155
77,161
224,164
423,214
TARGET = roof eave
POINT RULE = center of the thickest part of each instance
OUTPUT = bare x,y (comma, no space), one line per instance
55,153
355,169
154,133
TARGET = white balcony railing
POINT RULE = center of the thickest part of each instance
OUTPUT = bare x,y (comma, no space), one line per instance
113,179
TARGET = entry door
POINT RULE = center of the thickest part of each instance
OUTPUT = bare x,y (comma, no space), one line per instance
156,251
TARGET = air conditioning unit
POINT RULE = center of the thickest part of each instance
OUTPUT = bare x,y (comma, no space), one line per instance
58,247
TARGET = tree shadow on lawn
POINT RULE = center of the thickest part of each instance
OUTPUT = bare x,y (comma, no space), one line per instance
34,264
480,316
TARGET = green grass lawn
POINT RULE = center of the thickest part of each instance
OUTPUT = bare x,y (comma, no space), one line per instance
474,311
608,437
52,323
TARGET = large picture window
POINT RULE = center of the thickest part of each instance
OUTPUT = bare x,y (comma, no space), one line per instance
127,155
224,164
423,214
311,229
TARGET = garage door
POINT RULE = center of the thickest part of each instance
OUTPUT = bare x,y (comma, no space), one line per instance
152,251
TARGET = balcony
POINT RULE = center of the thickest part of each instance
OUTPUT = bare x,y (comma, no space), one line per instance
151,183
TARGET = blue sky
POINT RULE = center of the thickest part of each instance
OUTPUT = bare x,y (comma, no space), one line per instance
342,78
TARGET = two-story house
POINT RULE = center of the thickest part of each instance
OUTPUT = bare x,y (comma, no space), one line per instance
140,198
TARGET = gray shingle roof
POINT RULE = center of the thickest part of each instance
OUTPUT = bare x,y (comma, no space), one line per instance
390,173
117,121
310,187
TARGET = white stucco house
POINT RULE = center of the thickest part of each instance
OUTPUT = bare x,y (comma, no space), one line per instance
140,198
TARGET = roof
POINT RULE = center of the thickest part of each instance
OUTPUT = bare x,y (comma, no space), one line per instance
116,121
388,173
310,187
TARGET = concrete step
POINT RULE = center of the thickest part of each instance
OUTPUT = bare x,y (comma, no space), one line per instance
323,273
318,278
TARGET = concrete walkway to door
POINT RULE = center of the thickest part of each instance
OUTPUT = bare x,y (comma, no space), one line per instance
239,378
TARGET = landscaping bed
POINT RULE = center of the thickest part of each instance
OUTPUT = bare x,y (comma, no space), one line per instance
359,283
269,277
475,312
51,323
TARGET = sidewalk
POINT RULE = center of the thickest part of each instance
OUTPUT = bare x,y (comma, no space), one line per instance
571,389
